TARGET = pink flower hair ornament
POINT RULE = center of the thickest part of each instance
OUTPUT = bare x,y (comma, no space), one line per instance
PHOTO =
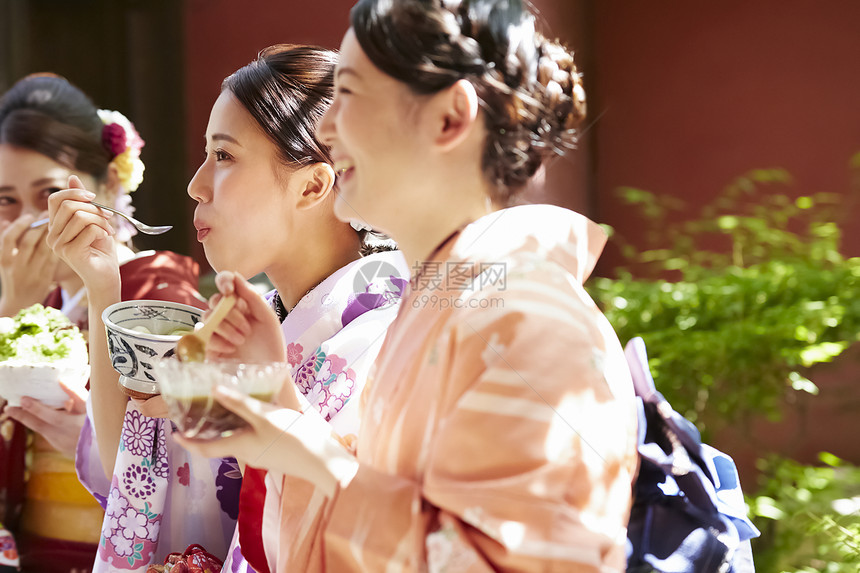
114,139
123,143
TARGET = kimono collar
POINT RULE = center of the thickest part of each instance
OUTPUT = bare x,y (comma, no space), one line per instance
553,233
368,283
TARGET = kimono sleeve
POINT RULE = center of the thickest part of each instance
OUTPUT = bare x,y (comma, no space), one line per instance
163,275
88,463
530,463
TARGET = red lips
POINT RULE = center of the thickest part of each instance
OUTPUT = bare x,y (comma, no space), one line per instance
202,229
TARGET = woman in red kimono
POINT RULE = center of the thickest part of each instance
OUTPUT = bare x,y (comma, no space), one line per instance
49,130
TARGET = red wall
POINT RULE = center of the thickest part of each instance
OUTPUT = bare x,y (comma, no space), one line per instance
224,35
683,98
693,94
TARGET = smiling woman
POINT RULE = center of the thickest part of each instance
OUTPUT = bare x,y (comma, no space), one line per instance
51,133
38,153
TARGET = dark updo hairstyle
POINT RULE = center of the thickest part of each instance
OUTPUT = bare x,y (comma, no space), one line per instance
45,113
287,89
528,86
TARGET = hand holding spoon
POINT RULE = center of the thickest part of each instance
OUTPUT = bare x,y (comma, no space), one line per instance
192,346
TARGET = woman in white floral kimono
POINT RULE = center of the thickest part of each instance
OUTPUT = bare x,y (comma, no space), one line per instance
265,204
351,327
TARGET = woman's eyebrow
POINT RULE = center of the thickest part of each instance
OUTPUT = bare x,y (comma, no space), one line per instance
346,70
225,137
44,181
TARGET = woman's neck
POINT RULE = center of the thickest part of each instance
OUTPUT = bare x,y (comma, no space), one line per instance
419,238
299,273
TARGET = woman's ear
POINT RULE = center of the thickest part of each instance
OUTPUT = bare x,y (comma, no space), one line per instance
111,187
316,182
459,114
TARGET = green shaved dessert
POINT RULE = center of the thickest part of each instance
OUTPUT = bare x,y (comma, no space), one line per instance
40,335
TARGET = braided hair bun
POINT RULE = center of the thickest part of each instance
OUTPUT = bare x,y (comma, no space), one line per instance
528,85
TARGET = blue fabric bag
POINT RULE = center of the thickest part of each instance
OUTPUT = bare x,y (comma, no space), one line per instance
688,512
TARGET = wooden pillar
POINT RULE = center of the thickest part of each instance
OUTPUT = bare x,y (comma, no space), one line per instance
156,88
13,38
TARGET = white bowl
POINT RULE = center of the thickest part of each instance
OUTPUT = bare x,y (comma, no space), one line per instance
187,388
133,352
41,381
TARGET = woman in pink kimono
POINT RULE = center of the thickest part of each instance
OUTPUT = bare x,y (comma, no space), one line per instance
498,428
265,204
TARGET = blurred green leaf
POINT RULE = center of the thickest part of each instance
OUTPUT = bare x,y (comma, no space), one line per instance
804,202
808,516
824,352
802,383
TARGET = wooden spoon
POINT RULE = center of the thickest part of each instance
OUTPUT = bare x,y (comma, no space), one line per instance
192,346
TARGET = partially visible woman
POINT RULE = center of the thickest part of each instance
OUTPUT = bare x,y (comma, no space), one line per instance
265,203
50,130
498,432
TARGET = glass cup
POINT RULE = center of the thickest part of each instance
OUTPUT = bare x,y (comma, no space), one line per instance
188,388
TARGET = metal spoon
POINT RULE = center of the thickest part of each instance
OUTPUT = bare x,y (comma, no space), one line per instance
192,346
142,227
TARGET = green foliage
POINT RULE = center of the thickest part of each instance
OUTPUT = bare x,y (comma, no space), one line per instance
739,301
809,517
735,305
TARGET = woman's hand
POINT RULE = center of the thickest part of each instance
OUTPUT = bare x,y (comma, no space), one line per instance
80,234
154,407
27,265
281,440
62,427
250,332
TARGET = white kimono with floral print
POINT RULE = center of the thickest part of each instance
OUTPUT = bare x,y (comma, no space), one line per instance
333,336
161,498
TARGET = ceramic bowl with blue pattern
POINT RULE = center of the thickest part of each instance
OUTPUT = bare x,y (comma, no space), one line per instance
139,332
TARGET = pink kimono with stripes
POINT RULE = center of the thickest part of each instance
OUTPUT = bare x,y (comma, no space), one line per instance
498,430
